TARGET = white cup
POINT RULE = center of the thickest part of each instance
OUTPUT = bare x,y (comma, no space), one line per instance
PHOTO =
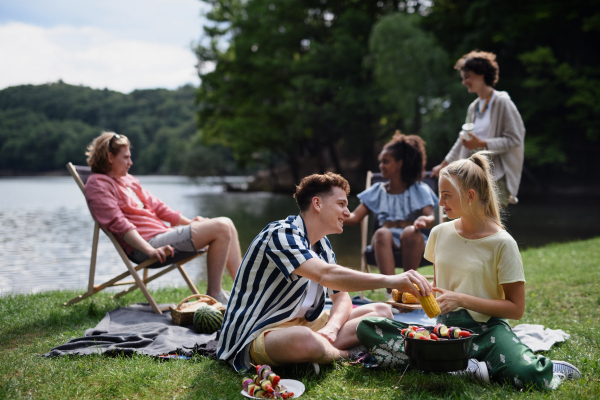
467,131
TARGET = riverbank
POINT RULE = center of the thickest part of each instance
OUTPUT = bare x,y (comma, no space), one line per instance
563,291
262,181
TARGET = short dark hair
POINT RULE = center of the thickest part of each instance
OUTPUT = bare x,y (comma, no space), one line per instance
411,150
480,63
318,185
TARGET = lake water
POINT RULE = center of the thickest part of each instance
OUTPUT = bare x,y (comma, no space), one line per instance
46,229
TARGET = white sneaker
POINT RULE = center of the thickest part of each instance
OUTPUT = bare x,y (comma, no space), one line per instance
569,371
317,368
476,370
223,297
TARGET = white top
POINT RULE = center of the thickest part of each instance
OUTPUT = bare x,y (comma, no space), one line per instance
135,198
482,129
477,267
505,138
309,300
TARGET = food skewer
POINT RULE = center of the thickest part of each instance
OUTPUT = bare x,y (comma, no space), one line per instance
265,384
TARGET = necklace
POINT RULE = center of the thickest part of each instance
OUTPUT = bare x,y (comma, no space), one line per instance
485,106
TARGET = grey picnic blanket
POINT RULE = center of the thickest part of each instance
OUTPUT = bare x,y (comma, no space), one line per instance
137,329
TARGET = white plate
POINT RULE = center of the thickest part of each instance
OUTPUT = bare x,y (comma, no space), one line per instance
291,385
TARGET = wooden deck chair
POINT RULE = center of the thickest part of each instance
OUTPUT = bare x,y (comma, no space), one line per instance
81,174
367,253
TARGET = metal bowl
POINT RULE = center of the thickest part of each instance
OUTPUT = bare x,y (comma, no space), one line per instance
439,356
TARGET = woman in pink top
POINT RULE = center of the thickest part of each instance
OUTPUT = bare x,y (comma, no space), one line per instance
121,206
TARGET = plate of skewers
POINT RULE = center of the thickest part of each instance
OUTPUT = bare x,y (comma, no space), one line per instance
268,385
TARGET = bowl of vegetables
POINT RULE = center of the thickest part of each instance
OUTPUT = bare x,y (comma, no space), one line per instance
438,348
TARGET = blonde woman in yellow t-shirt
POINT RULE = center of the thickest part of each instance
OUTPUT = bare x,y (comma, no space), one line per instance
480,280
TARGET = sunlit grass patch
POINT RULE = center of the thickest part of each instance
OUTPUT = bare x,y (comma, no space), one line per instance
563,292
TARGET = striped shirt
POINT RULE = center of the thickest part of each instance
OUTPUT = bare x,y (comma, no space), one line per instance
266,291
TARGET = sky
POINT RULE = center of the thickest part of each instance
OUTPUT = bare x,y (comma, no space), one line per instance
121,45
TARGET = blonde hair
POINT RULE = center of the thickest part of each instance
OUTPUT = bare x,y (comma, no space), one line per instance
97,151
475,173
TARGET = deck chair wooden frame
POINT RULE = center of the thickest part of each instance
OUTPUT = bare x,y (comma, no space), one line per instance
175,261
364,231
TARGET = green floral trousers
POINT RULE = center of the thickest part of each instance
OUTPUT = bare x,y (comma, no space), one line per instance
506,357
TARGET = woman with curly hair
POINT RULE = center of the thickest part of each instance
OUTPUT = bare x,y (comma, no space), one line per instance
495,125
403,205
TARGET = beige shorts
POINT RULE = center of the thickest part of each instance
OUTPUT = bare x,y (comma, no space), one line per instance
257,348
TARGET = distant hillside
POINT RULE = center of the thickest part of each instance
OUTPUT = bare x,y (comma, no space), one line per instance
42,127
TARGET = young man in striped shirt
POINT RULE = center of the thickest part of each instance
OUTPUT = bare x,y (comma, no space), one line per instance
275,314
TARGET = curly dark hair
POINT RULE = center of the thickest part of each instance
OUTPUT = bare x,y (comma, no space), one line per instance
410,149
480,63
318,185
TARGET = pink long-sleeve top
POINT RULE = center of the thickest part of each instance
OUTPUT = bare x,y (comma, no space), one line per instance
117,211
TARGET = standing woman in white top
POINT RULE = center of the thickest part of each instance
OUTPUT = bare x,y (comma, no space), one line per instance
498,126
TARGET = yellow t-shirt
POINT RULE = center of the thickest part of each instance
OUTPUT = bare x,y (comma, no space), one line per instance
475,267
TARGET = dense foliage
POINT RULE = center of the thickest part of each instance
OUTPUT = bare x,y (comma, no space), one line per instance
325,82
43,127
292,82
547,52
317,85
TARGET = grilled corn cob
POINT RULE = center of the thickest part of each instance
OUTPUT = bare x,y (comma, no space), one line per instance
396,296
429,304
409,298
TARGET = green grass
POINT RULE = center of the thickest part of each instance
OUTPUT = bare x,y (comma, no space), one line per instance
563,291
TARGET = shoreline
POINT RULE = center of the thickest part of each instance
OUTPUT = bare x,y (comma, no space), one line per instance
524,192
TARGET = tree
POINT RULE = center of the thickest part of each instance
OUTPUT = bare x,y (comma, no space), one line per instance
291,81
420,90
45,126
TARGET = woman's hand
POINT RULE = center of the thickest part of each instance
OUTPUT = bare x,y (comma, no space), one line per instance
474,143
435,171
186,221
161,253
448,301
421,222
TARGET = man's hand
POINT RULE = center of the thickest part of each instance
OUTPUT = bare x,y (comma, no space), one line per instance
404,283
448,301
329,333
474,143
199,219
161,253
